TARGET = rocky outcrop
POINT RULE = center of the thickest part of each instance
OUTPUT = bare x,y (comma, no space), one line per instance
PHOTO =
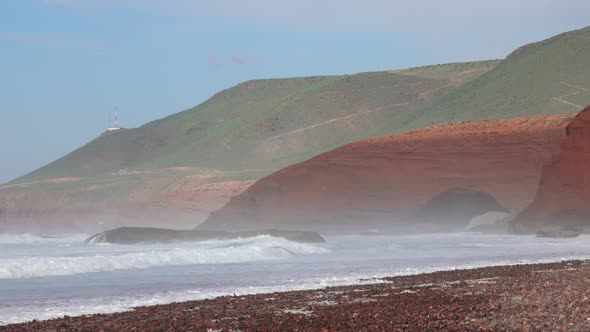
145,235
560,231
563,197
381,183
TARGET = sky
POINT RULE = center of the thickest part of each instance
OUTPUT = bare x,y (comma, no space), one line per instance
65,64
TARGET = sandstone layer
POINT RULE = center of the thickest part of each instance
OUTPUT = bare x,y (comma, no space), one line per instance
564,192
384,182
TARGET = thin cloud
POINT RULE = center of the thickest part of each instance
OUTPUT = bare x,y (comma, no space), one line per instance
466,27
51,42
239,60
379,15
213,61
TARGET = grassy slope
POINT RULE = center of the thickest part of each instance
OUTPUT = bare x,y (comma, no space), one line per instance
258,124
539,78
256,127
268,124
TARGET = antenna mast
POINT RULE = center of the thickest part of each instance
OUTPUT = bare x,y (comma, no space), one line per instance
113,125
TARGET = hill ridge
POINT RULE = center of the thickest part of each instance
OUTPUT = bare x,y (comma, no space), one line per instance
281,106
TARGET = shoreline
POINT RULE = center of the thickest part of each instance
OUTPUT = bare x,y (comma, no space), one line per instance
539,296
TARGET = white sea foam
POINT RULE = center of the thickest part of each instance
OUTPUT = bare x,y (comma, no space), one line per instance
273,265
210,252
49,309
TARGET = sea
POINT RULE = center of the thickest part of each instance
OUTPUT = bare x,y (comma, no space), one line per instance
43,278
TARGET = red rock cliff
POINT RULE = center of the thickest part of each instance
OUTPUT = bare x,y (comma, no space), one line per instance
563,196
379,182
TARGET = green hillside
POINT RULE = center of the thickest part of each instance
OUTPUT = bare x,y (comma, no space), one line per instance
266,124
548,77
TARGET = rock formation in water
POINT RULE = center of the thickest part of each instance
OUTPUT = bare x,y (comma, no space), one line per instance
380,183
563,197
145,235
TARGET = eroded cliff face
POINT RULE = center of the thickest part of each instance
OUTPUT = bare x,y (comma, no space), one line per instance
177,198
382,182
563,197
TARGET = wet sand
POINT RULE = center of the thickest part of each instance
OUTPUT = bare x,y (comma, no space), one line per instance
535,297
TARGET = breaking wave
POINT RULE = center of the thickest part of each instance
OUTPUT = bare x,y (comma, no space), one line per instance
114,258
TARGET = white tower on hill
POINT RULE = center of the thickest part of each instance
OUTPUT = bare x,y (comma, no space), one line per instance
113,125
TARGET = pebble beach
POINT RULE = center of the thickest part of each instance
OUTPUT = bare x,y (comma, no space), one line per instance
532,297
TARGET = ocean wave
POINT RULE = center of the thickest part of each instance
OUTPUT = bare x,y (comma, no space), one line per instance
210,252
32,239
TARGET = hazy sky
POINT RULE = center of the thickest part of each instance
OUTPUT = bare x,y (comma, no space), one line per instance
64,64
